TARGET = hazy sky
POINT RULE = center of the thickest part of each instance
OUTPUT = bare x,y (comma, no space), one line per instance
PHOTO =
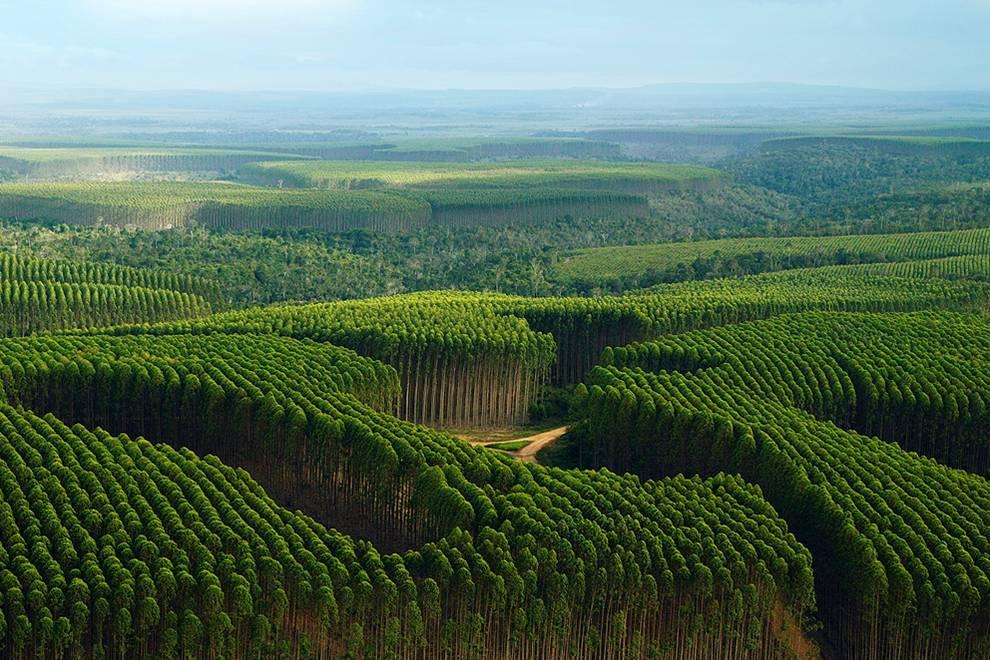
362,44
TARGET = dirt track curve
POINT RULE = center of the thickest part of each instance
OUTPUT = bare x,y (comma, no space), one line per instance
538,442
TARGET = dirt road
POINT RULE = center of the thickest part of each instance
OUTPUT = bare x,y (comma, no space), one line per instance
538,442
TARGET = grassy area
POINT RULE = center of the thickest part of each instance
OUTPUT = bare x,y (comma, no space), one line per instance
514,445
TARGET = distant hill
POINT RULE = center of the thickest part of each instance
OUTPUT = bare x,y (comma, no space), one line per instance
671,96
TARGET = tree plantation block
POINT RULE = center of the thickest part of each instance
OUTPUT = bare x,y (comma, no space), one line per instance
461,362
639,178
793,404
83,163
637,264
46,295
226,206
480,360
457,208
124,547
219,205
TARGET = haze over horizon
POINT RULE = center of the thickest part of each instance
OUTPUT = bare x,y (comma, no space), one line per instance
362,45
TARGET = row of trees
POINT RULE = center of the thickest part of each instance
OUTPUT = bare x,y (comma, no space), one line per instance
460,361
922,382
387,217
636,266
466,208
120,547
970,267
27,207
915,379
29,307
38,295
15,266
902,555
583,327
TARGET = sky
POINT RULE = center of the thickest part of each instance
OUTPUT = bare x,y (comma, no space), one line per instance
350,45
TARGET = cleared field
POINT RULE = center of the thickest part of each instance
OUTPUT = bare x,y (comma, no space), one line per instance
582,175
597,265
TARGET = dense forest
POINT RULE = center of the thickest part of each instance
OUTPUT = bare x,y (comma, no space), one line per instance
831,175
